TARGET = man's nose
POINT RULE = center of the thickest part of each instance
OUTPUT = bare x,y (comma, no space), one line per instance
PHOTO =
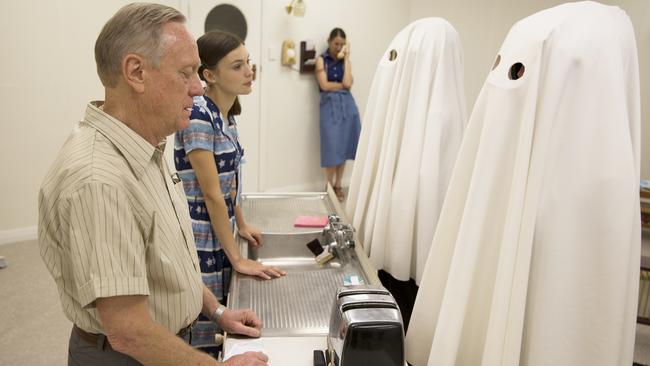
196,88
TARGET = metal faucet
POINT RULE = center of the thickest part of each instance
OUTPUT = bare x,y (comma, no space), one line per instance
338,234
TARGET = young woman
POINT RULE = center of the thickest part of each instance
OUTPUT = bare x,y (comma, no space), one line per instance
208,158
339,116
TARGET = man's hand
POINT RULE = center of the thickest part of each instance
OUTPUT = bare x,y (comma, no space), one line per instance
241,322
252,235
247,359
254,268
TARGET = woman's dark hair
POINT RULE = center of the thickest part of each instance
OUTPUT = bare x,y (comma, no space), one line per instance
336,32
213,46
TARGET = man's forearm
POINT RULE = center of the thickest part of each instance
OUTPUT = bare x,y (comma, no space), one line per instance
210,303
130,330
154,345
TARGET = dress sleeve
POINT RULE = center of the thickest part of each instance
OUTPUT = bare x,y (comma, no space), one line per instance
199,134
106,245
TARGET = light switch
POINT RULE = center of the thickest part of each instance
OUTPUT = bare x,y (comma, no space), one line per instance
273,53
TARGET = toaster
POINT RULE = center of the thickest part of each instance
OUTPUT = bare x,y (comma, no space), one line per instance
365,328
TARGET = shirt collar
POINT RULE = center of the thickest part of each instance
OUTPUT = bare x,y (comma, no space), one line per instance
327,55
137,151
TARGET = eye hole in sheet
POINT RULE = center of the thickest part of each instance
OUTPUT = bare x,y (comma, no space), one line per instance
496,62
516,71
392,55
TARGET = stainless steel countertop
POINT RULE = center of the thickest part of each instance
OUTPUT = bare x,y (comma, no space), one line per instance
298,304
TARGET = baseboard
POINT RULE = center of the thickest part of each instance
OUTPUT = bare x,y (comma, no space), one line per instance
16,235
305,187
318,186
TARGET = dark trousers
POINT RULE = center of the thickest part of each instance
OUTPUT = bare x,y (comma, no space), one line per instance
404,293
82,353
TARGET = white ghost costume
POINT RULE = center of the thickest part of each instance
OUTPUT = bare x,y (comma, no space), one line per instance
412,130
536,257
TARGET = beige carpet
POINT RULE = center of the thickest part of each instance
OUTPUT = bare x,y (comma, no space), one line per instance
33,329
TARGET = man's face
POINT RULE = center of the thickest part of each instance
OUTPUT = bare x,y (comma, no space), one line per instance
171,87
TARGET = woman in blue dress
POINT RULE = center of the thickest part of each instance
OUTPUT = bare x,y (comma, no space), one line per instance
339,116
208,158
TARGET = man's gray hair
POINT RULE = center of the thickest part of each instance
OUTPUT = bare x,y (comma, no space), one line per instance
135,28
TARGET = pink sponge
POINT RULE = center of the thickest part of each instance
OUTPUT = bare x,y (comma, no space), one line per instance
310,221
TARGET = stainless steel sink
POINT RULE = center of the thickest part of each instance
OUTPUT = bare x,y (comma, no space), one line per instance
275,213
289,251
298,303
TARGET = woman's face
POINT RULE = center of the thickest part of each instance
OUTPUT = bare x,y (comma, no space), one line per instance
233,73
336,44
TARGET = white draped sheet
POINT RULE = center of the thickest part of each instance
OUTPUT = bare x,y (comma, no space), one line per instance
411,133
536,257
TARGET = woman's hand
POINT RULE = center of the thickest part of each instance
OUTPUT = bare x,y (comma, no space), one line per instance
254,268
346,50
252,235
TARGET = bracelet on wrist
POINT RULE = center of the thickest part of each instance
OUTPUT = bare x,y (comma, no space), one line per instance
218,313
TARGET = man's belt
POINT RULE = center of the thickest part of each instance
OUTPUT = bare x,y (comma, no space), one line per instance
102,341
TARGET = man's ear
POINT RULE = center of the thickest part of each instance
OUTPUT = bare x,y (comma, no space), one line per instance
133,71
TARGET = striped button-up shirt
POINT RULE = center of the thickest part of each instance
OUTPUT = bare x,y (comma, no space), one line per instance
112,222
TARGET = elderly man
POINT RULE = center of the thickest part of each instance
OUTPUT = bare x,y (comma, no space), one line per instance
113,225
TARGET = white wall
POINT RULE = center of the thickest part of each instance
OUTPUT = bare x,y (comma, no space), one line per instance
483,25
48,75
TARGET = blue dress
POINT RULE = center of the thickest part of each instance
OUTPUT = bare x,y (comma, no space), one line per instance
339,119
208,132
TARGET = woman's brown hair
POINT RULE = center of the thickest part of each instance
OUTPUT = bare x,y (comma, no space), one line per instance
213,46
